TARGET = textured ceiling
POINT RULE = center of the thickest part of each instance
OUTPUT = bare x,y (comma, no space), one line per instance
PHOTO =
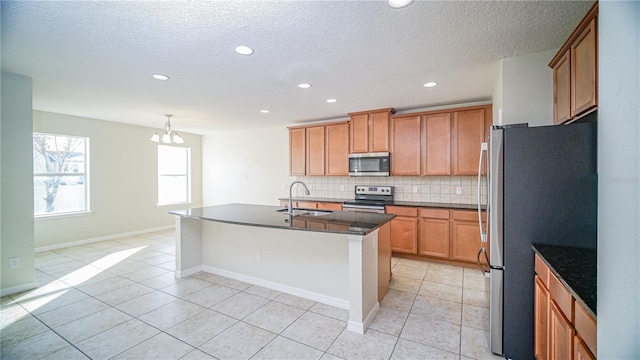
95,59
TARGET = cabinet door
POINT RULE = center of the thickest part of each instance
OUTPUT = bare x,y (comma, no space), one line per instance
561,333
437,145
359,133
580,350
584,70
541,310
465,239
337,149
315,150
468,135
562,90
404,234
384,260
406,146
297,151
379,131
434,237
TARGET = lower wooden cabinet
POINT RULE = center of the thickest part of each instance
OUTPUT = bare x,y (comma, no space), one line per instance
434,233
563,329
465,238
404,229
333,206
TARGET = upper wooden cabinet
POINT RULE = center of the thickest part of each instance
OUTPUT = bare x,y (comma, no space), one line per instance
405,146
337,149
319,149
315,150
468,136
297,151
439,143
369,131
575,71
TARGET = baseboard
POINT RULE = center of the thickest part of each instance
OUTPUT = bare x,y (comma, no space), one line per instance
17,289
328,300
101,238
360,328
184,273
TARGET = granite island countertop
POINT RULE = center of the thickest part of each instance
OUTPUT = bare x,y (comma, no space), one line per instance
341,222
576,268
394,203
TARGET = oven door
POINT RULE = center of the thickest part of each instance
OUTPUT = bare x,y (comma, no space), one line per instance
363,208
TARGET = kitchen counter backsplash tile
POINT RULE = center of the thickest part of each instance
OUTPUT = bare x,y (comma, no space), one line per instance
434,189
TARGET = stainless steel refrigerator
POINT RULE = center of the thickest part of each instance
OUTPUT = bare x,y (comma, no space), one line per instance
542,188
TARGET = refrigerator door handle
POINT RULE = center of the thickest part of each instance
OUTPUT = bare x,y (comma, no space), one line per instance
484,151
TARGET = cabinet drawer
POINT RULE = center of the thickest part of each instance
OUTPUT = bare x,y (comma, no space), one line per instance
402,211
470,215
542,270
307,205
434,213
561,296
330,206
586,327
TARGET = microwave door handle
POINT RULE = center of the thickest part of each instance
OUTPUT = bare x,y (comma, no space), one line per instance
484,151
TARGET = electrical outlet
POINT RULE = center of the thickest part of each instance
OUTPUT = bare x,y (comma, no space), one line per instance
258,256
459,190
14,262
341,187
415,189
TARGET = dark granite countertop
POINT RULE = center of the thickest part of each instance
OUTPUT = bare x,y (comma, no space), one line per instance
576,268
395,203
341,222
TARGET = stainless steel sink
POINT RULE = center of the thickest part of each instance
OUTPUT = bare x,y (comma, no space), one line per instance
305,212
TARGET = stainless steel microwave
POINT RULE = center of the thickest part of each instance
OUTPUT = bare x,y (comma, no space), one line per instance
369,164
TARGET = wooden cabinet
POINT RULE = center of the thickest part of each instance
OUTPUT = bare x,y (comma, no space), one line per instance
468,135
405,142
563,328
315,150
297,151
437,144
337,149
434,233
333,206
384,260
465,239
369,131
329,206
540,315
319,149
404,229
575,71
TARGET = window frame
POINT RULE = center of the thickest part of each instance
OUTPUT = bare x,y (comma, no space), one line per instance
84,174
187,175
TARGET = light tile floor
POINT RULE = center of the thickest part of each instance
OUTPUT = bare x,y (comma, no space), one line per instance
119,299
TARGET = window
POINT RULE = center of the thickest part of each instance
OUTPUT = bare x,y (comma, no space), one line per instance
174,172
60,165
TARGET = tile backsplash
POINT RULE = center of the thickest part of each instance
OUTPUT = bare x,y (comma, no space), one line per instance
407,188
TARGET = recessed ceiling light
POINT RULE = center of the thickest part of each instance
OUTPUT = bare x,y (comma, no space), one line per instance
265,111
397,4
160,77
430,84
304,86
244,50
332,100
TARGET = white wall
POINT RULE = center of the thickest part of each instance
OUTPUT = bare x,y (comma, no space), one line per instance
246,166
525,90
619,180
16,184
122,180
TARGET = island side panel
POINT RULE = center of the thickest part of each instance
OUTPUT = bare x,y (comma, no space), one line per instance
363,281
188,246
309,264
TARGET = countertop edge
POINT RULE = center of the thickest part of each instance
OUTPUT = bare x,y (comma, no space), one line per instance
564,282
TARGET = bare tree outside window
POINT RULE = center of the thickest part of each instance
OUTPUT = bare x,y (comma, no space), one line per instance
59,163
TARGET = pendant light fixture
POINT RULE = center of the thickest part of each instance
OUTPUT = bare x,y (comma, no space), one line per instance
169,135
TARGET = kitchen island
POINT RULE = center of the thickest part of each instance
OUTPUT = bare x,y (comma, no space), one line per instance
329,257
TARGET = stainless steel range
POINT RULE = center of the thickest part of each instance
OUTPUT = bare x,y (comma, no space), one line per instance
370,199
